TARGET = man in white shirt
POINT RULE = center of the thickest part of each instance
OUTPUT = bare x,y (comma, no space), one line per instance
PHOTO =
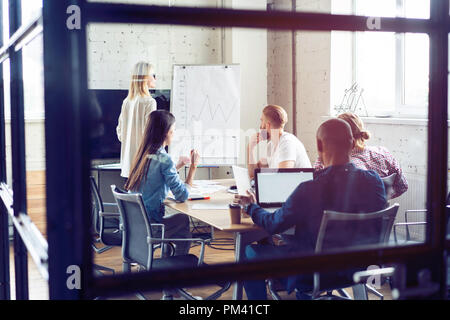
284,150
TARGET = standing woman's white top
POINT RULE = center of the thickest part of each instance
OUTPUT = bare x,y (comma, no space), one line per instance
136,109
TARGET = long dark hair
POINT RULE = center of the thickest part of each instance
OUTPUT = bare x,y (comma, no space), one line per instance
156,129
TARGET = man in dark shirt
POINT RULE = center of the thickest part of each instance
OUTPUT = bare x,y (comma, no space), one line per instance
340,186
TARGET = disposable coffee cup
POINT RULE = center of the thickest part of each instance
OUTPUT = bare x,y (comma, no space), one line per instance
235,213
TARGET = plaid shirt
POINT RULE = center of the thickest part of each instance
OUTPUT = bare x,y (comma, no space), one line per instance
380,160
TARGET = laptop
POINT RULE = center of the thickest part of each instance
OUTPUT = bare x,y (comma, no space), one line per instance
242,179
274,186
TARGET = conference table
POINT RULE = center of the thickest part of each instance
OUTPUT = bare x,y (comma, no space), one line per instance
244,233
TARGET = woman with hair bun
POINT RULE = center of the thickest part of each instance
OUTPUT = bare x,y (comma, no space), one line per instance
375,158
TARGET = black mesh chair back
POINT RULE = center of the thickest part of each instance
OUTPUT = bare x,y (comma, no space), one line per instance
97,205
388,184
134,244
105,224
341,231
139,245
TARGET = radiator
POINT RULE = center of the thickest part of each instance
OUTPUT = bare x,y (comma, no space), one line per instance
413,199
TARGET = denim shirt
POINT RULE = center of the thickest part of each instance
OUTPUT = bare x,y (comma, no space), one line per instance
161,176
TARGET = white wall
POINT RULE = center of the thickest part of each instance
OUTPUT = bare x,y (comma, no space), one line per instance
313,77
266,65
248,47
114,49
313,82
406,139
34,146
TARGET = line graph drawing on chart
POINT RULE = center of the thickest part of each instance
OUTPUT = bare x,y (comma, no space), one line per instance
213,110
206,105
210,97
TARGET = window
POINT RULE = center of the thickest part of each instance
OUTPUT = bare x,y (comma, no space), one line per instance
391,70
33,66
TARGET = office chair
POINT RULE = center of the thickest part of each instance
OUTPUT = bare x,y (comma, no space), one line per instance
139,243
366,229
407,224
105,224
409,240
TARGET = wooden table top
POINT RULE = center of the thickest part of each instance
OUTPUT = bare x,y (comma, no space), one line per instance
219,218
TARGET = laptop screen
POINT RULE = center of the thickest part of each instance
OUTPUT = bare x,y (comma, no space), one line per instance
274,186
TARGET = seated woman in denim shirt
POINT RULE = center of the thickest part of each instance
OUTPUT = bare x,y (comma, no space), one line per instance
153,173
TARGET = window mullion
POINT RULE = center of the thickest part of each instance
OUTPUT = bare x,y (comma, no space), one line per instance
399,71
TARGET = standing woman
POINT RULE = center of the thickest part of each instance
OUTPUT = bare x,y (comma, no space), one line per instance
153,173
136,109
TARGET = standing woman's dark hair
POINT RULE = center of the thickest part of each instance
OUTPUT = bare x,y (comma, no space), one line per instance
158,125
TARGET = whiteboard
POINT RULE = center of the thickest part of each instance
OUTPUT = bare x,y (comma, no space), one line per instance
205,101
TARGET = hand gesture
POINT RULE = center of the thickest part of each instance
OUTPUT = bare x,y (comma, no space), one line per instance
183,161
255,139
245,200
195,157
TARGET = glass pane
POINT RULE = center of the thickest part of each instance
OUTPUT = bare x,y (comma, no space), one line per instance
342,6
7,101
35,159
419,9
383,8
325,65
33,85
30,9
342,75
416,69
375,71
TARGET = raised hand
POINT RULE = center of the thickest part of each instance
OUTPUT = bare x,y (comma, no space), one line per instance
245,200
195,157
182,161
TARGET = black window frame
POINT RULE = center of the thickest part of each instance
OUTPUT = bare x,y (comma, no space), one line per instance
68,162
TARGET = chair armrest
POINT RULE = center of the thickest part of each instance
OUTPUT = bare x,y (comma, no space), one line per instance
413,211
405,224
151,241
166,240
110,214
111,206
410,223
362,276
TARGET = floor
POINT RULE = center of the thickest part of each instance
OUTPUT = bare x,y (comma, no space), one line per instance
222,251
38,288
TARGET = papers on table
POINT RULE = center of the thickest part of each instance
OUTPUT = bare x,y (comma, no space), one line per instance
210,206
204,182
203,187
